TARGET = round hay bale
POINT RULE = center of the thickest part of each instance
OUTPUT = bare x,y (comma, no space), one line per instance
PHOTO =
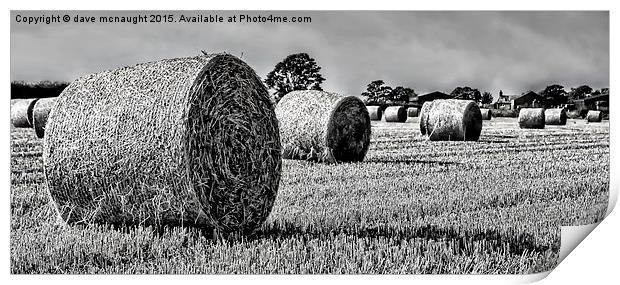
486,114
21,112
555,117
186,141
594,116
453,120
532,118
40,113
424,116
322,126
395,114
412,112
375,112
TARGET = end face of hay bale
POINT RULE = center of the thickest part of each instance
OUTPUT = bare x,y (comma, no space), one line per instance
21,112
453,120
424,116
324,127
190,141
532,118
375,112
412,112
395,114
555,117
594,116
486,114
40,114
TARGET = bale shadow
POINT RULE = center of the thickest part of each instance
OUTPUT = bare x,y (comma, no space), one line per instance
412,161
516,243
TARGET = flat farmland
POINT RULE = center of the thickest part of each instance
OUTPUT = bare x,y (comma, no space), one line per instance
412,207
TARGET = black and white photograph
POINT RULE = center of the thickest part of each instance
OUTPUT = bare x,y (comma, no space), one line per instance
305,142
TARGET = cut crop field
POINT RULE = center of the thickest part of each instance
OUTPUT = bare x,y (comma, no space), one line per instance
411,207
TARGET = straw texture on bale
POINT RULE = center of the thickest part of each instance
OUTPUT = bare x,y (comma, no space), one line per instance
555,117
40,113
532,118
395,114
594,116
453,120
323,127
21,112
486,114
412,112
189,141
424,116
375,112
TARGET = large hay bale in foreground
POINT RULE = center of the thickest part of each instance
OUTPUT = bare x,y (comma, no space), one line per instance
190,141
40,113
395,114
532,118
424,116
594,116
413,112
453,120
21,112
375,112
555,116
322,126
486,114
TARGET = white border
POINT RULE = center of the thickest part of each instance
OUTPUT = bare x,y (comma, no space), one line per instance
594,260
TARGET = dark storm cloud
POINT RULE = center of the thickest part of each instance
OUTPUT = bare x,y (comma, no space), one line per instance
513,51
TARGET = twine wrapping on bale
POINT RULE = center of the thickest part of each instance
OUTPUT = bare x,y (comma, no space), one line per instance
189,141
395,114
453,120
375,112
532,118
324,127
21,112
555,117
412,112
594,116
486,114
40,113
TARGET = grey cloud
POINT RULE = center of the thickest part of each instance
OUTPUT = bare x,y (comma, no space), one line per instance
513,51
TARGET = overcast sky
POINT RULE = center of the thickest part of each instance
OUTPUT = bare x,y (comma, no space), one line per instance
512,51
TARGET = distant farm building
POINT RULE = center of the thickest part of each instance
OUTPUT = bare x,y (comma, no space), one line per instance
513,102
421,99
597,102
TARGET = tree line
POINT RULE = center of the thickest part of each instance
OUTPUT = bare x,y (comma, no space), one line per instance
301,72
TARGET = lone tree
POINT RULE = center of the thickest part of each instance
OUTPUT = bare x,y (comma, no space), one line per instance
401,94
466,93
296,72
554,94
579,93
377,92
487,98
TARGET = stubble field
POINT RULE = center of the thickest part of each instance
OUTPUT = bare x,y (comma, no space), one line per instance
412,207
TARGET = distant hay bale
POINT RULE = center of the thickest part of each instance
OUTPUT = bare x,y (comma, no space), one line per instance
395,114
486,114
40,113
424,116
594,116
412,112
21,112
453,120
322,126
186,141
555,117
375,112
532,118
